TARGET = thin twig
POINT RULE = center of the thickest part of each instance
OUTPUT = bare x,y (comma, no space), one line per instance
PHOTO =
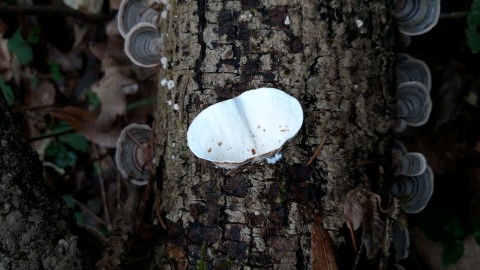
44,10
454,15
52,134
102,187
318,150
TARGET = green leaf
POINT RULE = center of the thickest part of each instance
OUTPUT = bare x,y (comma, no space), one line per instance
62,157
79,217
452,252
92,99
7,92
34,35
76,141
17,45
55,70
69,201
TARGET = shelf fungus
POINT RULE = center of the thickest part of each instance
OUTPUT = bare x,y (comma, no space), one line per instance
133,12
409,164
411,69
415,17
401,241
413,105
244,129
414,192
135,153
144,45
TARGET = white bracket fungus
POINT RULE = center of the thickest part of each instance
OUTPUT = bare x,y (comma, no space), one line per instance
411,69
144,45
135,153
413,105
132,12
415,17
410,164
401,241
414,192
246,128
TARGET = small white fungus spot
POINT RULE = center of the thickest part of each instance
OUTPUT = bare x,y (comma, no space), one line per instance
164,82
274,159
164,62
173,144
355,86
169,103
164,14
359,23
287,20
170,84
176,107
173,156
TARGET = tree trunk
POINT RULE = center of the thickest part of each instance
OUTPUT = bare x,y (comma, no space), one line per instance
36,228
335,57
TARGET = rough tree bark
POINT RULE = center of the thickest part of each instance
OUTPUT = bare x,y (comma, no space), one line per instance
335,57
36,228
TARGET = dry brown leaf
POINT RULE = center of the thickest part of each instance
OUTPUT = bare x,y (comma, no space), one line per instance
361,207
43,94
85,123
322,252
5,55
111,90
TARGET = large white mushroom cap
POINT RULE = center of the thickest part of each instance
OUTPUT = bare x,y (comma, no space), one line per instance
245,128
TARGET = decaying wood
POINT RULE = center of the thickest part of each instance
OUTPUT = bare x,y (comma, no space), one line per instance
313,50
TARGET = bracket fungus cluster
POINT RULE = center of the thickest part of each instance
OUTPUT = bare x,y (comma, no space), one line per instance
247,128
144,45
137,24
135,153
414,183
415,17
133,12
413,103
411,69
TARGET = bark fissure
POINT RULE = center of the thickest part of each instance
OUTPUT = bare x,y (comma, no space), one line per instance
198,77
